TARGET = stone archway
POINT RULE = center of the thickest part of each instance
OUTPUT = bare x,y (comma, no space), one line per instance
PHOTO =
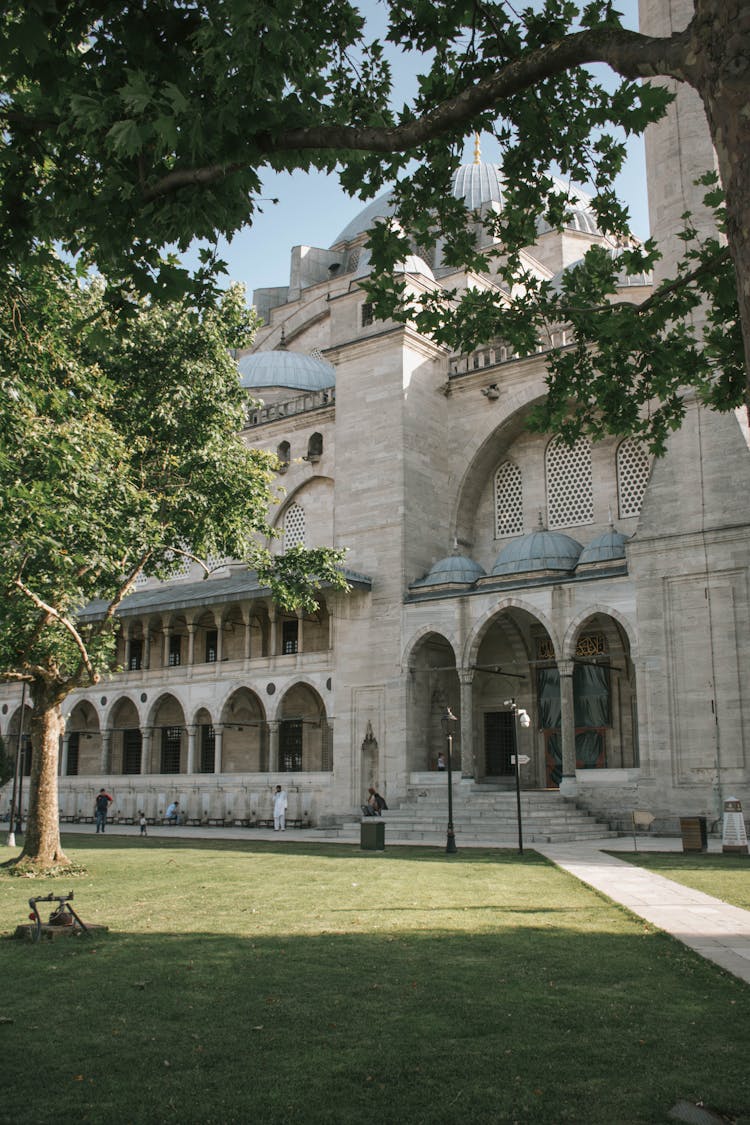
432,687
245,734
304,734
84,742
512,646
126,747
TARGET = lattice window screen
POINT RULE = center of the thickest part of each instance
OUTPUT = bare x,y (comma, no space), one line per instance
570,487
294,527
633,467
508,500
214,562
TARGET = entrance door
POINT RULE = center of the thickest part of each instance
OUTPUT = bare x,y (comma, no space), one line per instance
499,743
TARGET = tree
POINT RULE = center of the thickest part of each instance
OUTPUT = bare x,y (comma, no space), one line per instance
131,127
120,451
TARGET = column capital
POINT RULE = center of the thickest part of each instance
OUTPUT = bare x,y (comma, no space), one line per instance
466,675
565,667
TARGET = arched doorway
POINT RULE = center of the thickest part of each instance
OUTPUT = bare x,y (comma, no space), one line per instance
169,744
245,739
84,757
504,670
126,738
305,741
433,687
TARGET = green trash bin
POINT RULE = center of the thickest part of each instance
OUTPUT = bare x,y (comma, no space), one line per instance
372,835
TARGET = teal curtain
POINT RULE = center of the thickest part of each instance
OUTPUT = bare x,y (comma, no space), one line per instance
591,710
591,695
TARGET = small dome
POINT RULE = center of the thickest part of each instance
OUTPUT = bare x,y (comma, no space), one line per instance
286,369
539,550
605,548
378,208
454,568
411,264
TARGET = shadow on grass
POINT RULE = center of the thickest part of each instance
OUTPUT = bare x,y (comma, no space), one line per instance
531,1024
436,854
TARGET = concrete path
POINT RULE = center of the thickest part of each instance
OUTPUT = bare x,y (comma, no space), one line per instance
715,930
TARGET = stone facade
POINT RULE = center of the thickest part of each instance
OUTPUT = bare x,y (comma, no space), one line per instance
606,594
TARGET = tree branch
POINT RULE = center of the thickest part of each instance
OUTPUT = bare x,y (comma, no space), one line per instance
629,53
48,609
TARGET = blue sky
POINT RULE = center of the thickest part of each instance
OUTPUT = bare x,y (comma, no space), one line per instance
312,208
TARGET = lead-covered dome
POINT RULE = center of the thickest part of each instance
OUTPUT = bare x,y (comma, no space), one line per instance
479,184
281,368
538,551
605,548
454,568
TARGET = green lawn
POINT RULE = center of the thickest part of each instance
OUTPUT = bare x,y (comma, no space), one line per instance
269,983
724,876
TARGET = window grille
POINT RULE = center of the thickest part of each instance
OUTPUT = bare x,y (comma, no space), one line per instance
216,562
131,750
171,746
290,745
570,486
294,527
74,743
633,467
136,656
289,637
175,651
212,646
208,749
368,316
508,500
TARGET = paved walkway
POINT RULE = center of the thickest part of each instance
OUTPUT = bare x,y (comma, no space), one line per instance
715,930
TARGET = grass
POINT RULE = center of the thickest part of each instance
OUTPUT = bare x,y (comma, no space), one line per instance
724,876
268,983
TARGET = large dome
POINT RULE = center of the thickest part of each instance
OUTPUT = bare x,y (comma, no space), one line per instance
539,550
478,184
286,369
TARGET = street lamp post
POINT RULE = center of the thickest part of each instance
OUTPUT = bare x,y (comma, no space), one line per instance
449,717
519,717
17,790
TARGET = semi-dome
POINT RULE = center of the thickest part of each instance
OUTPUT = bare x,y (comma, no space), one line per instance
282,368
605,548
539,550
454,568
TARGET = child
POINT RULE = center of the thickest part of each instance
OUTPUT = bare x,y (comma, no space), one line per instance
142,822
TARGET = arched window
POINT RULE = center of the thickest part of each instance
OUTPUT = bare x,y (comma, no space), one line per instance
294,527
633,467
570,486
283,452
315,447
508,500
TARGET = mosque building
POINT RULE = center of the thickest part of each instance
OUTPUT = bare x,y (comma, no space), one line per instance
606,593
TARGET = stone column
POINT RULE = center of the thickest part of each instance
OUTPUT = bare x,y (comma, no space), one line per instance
106,758
273,638
219,639
468,751
167,630
127,648
191,748
145,749
300,631
218,740
191,644
273,746
64,755
146,648
568,786
248,632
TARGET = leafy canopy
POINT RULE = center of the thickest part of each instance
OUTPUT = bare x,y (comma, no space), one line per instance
120,446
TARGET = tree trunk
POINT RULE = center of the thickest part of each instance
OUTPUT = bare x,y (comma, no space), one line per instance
42,848
721,74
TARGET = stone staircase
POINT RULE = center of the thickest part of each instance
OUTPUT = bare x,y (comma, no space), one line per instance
483,814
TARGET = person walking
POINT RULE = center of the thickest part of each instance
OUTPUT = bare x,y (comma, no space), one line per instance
101,807
143,823
280,805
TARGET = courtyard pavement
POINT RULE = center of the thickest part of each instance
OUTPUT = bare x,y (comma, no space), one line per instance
714,929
